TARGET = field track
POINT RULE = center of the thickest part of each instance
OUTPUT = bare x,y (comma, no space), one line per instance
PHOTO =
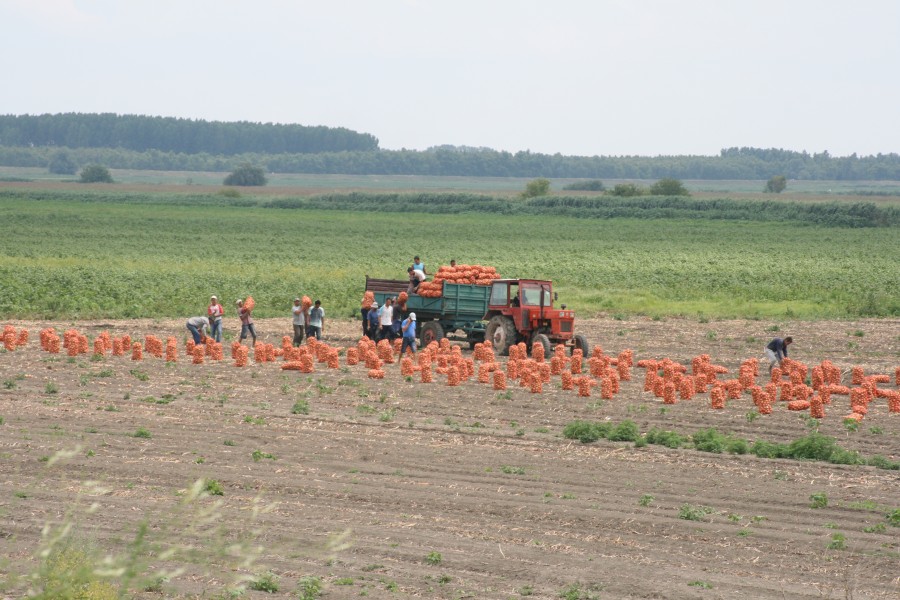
406,471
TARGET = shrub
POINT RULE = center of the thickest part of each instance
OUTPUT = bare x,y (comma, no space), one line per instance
62,164
627,190
95,174
669,439
536,187
626,431
776,184
668,187
592,185
246,175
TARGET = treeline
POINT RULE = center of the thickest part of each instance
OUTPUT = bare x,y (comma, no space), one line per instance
861,214
742,164
181,136
173,144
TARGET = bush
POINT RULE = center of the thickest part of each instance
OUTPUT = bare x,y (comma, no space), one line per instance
62,164
669,439
247,175
592,185
95,174
765,449
626,431
776,184
709,440
668,187
814,446
627,190
536,187
583,431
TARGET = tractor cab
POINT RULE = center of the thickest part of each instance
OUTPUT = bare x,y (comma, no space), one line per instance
522,310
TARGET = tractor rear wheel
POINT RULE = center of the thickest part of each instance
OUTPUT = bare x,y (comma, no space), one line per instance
581,343
501,332
431,332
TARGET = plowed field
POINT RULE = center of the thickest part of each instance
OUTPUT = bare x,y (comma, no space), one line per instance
391,488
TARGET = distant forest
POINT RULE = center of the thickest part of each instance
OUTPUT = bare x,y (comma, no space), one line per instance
164,143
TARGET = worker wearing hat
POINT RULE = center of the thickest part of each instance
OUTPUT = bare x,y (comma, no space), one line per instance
372,319
409,334
299,321
214,313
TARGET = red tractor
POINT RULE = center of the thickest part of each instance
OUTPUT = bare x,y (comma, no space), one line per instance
522,310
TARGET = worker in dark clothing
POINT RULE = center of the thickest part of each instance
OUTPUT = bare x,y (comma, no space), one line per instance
776,351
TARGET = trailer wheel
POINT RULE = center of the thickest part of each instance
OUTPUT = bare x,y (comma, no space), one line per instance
581,343
431,332
501,332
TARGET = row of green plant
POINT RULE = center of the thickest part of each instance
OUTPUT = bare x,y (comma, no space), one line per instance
128,255
640,205
814,446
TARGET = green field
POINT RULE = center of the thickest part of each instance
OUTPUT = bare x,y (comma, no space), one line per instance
79,254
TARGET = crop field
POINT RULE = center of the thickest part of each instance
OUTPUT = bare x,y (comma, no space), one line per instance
149,478
127,254
152,478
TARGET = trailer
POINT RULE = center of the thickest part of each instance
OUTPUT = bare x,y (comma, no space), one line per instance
457,315
506,312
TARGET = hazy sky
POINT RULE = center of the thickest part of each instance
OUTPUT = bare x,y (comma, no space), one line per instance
580,77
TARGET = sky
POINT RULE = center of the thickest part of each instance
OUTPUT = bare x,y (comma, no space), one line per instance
575,77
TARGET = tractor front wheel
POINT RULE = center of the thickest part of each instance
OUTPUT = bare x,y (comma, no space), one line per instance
543,340
581,343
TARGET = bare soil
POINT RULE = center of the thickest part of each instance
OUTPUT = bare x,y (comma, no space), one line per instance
389,488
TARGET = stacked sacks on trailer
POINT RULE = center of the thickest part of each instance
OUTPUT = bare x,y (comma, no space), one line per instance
468,274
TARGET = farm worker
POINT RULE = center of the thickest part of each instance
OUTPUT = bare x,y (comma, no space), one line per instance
452,263
316,320
385,318
299,321
364,313
415,278
418,265
246,322
214,313
196,325
776,351
409,334
397,318
372,319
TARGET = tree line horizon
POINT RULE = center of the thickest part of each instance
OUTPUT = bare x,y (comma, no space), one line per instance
167,143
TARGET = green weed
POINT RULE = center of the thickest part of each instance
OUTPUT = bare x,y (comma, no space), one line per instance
689,512
819,500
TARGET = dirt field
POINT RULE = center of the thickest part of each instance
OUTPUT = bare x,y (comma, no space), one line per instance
392,489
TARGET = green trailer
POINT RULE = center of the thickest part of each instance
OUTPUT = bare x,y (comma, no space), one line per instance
458,314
